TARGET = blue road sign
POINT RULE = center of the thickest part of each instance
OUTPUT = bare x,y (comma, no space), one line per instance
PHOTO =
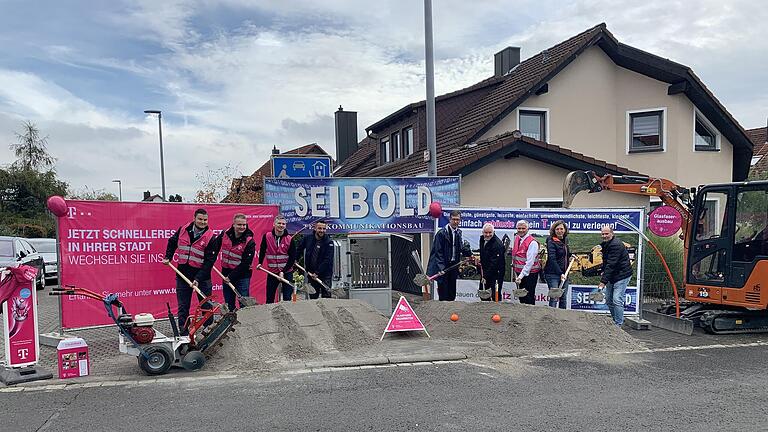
301,166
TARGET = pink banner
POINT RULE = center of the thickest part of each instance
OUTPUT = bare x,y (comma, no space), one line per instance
664,221
20,316
118,247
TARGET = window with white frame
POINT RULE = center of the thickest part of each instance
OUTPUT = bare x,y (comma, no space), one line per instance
396,149
533,123
384,154
646,131
545,203
705,136
408,145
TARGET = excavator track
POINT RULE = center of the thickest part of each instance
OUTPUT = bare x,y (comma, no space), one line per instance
734,321
216,333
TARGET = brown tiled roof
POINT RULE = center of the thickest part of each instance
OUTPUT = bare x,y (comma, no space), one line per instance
515,86
248,189
759,137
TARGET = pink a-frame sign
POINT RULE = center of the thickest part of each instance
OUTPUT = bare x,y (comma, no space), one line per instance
404,319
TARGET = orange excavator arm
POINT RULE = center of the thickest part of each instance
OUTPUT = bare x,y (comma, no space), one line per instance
670,194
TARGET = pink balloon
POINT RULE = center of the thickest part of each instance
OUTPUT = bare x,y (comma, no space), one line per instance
435,209
57,205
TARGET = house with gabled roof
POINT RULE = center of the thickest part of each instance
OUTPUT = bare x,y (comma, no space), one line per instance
759,162
588,103
250,189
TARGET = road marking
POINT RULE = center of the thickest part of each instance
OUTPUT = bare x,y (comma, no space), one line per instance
652,350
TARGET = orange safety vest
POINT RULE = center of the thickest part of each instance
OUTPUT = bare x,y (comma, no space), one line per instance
520,255
232,255
277,254
193,253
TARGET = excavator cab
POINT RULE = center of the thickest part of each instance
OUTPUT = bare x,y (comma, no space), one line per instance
728,251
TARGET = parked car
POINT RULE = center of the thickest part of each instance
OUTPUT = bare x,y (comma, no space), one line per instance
18,251
47,248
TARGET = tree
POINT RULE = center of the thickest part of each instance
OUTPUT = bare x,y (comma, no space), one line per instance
31,149
215,183
93,195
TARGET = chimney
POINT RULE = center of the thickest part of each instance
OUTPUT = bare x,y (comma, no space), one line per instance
146,195
346,134
505,60
275,150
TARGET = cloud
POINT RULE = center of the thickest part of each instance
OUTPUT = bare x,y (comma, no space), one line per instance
235,77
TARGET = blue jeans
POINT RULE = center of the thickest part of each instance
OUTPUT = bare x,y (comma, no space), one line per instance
553,281
614,298
242,286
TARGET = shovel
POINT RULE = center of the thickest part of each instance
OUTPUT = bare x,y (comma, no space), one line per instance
339,293
597,296
424,288
518,292
222,307
277,276
306,286
423,279
556,293
484,294
244,300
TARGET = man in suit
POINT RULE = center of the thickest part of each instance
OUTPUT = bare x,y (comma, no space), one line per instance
447,251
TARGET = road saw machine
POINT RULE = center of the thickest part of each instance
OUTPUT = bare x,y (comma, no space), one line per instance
155,351
725,242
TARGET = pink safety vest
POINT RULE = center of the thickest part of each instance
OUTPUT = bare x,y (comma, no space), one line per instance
520,255
193,253
232,255
277,254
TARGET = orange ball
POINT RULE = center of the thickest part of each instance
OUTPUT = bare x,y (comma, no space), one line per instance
454,317
496,318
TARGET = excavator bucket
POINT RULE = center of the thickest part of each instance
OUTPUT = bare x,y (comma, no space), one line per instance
575,182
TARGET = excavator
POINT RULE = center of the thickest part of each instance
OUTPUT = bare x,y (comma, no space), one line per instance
725,242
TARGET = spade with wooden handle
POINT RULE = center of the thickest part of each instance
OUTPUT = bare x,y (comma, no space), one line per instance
556,293
244,300
276,276
202,295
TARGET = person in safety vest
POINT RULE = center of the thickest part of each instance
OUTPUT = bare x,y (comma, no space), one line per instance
318,258
525,262
236,249
196,248
277,247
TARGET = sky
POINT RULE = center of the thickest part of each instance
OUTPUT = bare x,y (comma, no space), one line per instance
233,78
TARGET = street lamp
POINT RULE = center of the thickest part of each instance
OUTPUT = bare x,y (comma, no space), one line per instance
160,130
120,188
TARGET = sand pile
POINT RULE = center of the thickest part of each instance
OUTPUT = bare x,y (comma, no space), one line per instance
329,330
524,329
270,335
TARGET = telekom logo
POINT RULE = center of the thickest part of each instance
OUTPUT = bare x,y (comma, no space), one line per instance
71,212
23,353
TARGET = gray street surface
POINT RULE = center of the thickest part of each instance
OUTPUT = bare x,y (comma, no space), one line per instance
692,389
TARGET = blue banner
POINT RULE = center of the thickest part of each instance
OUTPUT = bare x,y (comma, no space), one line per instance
584,220
380,204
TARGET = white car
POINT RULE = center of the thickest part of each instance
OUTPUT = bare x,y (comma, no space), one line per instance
299,165
46,247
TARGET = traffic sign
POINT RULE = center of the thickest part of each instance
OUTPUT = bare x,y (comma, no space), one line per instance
292,166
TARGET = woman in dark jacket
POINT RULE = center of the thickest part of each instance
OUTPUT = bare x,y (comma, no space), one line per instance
557,261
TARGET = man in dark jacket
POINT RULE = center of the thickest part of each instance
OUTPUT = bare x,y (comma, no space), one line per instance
236,248
447,251
318,258
492,262
617,271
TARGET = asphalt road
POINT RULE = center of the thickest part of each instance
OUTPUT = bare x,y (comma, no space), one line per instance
691,390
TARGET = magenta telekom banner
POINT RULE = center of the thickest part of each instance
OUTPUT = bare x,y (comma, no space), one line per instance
118,247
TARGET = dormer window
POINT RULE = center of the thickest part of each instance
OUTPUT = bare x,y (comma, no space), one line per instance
705,136
385,156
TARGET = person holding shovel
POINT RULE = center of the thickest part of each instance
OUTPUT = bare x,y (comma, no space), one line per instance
447,250
492,263
318,259
525,262
197,251
557,262
277,247
617,271
237,249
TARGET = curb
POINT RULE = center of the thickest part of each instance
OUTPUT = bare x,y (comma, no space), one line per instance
382,360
